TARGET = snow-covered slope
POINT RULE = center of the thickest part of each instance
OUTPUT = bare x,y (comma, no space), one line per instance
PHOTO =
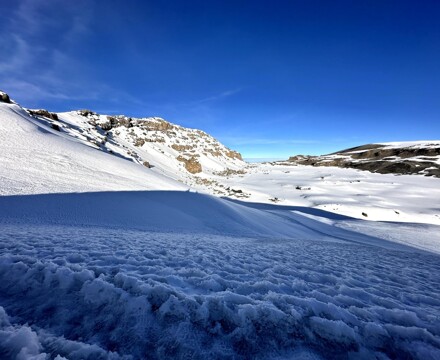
411,157
37,159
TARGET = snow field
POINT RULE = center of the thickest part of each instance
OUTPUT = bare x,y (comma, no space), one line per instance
382,197
162,295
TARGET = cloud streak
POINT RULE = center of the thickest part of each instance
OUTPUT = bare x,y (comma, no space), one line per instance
53,69
220,96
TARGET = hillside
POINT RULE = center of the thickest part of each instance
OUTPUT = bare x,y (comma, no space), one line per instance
36,158
153,142
416,157
85,151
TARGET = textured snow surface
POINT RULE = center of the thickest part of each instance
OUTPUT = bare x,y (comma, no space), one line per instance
162,295
80,286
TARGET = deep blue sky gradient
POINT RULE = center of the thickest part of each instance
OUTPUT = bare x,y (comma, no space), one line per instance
268,78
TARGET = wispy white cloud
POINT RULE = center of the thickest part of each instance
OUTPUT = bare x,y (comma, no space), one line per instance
222,95
38,66
33,91
19,54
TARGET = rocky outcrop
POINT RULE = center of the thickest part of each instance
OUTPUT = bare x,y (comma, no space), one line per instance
234,155
182,147
42,112
139,142
422,159
192,165
157,125
86,112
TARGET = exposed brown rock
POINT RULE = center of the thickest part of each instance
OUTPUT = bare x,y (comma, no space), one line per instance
158,125
86,112
234,155
107,126
139,142
229,172
191,164
182,147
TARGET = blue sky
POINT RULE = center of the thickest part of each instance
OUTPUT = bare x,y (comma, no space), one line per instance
268,78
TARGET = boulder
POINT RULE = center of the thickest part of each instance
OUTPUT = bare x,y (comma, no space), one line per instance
139,142
5,98
191,164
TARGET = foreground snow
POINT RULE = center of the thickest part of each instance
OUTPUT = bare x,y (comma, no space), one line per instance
280,284
167,295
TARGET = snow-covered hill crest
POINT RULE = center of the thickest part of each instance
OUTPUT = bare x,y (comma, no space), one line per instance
189,156
38,159
150,141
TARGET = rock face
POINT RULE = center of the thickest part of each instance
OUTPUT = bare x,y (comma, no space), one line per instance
421,158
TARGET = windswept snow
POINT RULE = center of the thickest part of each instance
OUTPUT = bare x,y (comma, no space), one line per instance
165,295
